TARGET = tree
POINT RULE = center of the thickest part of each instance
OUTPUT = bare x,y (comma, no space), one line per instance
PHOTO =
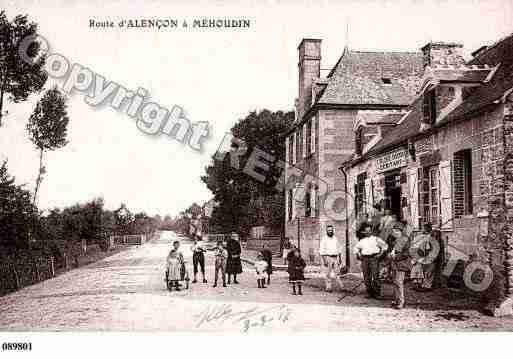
19,78
234,190
47,127
17,214
123,219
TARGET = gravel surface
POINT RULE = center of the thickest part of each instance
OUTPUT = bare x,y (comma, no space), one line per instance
126,291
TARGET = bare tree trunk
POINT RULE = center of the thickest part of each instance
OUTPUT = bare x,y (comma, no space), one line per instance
39,176
1,99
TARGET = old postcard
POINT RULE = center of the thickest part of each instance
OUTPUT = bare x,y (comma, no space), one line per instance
254,167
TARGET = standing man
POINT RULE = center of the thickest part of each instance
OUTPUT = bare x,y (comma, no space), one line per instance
376,217
401,263
198,259
368,250
331,255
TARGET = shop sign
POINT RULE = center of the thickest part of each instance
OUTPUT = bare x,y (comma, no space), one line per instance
392,160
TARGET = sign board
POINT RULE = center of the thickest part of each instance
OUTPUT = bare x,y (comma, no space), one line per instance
392,160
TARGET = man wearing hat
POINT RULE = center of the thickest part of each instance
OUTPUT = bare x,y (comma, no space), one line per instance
368,250
400,262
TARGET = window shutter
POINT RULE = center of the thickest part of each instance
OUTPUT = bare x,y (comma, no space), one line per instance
368,196
287,195
287,154
312,135
294,203
413,189
293,148
313,200
303,140
445,196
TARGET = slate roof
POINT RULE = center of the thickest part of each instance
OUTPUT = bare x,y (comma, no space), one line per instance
357,78
499,53
482,96
460,74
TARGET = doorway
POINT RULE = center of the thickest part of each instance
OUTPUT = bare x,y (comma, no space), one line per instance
393,193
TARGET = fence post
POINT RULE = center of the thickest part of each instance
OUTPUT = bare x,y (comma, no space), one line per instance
36,269
52,267
16,278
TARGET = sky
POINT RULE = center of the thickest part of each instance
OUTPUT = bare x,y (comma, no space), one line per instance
215,75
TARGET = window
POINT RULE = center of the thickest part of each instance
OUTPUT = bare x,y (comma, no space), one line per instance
289,204
315,130
309,138
429,107
360,194
308,201
315,201
429,199
298,146
359,141
291,149
462,182
304,137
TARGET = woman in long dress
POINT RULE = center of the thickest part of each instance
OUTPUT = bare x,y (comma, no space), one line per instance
175,262
233,262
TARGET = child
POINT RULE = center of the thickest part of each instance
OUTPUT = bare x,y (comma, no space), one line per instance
175,262
296,271
198,259
220,256
268,257
261,270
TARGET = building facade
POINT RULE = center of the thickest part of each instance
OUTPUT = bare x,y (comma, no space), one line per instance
448,159
322,137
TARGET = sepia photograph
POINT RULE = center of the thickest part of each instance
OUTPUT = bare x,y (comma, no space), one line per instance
249,168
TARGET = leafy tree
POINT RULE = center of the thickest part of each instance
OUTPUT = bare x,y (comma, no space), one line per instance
19,79
47,127
17,214
123,219
235,191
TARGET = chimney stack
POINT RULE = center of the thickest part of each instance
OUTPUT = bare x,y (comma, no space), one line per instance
309,67
443,53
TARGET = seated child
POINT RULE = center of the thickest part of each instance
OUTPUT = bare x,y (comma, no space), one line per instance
175,263
220,256
296,270
261,270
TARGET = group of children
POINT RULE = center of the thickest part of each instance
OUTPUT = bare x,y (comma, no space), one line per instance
296,268
176,272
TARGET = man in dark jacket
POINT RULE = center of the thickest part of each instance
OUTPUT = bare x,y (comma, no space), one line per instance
400,263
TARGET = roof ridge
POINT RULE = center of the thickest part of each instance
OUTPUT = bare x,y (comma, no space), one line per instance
491,46
385,52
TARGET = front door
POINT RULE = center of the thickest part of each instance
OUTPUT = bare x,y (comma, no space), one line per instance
393,193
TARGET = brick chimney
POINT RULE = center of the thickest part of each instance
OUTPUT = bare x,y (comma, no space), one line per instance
443,53
309,67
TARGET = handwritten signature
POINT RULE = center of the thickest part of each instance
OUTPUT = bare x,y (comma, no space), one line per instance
250,318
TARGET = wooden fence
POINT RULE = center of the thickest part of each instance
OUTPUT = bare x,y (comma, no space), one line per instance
16,273
273,243
214,237
136,239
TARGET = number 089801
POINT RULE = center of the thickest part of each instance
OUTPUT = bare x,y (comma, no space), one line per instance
16,346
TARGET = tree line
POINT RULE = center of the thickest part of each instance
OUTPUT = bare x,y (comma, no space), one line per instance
23,226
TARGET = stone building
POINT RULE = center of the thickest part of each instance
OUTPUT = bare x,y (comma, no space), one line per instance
323,135
448,159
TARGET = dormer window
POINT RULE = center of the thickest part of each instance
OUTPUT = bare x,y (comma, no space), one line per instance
429,107
386,80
